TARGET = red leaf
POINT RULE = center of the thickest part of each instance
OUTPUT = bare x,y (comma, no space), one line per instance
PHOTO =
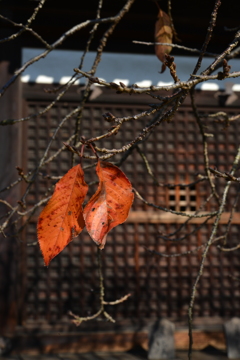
62,218
110,205
163,34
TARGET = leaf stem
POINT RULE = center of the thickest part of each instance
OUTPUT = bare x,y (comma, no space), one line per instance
78,320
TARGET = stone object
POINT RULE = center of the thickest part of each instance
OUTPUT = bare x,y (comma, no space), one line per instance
161,340
5,345
232,332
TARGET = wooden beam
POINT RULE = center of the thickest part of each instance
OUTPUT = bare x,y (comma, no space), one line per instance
159,217
83,342
201,339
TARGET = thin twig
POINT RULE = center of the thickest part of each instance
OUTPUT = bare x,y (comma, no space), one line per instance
227,176
196,51
44,111
205,252
167,238
56,44
224,55
96,62
171,19
25,27
229,249
211,26
146,163
8,187
78,320
117,301
185,85
205,147
189,219
234,277
154,252
173,211
167,116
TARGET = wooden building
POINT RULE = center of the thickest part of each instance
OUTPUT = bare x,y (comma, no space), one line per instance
35,300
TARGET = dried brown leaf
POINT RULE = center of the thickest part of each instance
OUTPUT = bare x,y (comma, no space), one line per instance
163,34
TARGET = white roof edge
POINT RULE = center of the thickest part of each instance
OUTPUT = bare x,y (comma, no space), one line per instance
143,70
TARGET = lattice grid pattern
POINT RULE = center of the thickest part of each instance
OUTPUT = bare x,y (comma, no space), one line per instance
159,286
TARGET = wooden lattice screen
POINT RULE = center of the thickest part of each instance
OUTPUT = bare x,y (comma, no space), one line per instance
159,286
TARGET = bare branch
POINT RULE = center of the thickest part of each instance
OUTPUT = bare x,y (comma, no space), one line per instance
211,26
208,245
185,85
196,51
227,176
59,42
25,27
173,211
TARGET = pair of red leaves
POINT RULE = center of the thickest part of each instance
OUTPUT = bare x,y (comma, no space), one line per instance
63,217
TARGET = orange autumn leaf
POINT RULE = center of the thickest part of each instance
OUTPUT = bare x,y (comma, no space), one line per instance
163,34
62,218
111,203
